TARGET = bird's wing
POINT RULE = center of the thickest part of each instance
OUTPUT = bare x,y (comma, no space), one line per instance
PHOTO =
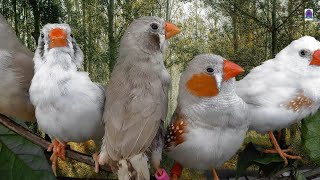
275,95
22,66
16,69
134,110
268,84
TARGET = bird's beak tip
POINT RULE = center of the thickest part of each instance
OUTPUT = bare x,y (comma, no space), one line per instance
58,38
315,58
171,30
231,69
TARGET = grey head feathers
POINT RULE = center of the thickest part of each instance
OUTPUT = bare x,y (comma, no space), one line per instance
145,33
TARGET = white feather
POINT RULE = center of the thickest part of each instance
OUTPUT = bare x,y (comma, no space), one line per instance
68,104
279,81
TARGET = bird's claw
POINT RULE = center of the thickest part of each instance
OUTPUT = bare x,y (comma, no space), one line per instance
95,157
159,171
283,154
58,151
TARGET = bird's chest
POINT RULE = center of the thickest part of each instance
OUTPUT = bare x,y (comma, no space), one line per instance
49,84
221,114
204,148
50,77
162,72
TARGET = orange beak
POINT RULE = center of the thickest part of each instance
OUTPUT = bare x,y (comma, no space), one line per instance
231,70
171,30
315,58
58,38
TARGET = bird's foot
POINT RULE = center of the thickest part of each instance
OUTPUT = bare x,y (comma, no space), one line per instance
283,154
174,177
215,175
176,171
159,171
278,150
161,174
95,157
58,150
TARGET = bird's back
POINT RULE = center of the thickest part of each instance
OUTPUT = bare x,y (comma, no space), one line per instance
16,72
266,90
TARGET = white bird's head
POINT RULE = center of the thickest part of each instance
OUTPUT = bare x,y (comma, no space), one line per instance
303,52
206,73
58,38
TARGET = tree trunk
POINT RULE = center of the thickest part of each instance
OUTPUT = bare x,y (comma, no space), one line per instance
112,43
36,15
90,39
85,63
167,10
16,17
290,21
235,28
273,28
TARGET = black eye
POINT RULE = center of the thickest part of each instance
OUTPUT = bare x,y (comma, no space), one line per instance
154,26
209,70
71,35
303,52
42,35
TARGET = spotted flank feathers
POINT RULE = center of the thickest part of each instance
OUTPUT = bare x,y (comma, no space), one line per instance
175,133
298,103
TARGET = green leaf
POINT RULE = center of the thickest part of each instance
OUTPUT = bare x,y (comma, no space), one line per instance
246,158
311,137
269,158
21,159
299,176
253,155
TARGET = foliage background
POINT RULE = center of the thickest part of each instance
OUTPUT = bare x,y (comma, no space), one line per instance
247,32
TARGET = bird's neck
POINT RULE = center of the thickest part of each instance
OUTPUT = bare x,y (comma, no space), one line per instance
60,58
226,97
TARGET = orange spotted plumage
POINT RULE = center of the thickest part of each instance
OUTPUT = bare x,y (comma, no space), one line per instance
203,85
175,132
299,102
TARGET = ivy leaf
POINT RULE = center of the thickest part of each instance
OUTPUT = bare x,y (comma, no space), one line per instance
253,155
310,137
246,158
269,158
299,176
21,159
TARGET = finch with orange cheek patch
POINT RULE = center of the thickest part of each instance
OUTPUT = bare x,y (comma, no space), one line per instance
209,123
68,104
283,90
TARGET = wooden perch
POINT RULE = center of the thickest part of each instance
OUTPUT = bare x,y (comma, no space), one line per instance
45,144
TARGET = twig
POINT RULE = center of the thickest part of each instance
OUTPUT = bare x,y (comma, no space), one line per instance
45,144
291,13
312,173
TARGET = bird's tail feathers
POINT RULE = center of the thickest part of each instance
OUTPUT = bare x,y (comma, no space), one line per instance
134,168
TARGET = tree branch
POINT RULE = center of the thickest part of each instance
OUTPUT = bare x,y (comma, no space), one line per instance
45,144
289,16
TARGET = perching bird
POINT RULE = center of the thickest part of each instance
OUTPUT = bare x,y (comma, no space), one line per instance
283,90
69,106
209,123
137,100
16,72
